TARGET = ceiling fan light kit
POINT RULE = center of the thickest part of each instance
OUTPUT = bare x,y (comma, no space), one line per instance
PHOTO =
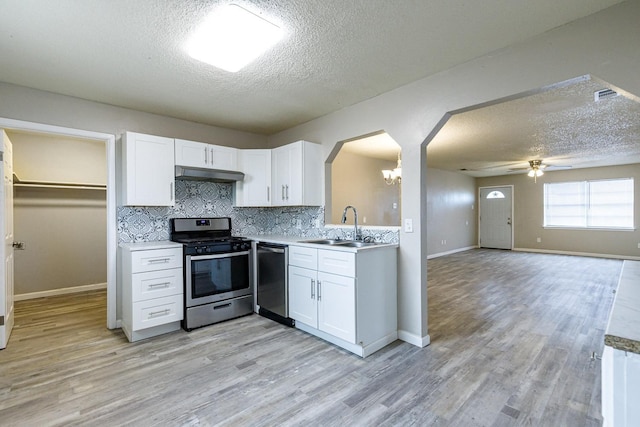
536,169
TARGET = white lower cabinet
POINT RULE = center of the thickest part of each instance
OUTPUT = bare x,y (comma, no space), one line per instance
620,388
337,306
345,297
152,288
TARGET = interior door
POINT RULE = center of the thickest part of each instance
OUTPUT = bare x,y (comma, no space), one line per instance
496,217
6,252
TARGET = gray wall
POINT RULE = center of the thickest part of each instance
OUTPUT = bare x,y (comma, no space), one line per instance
529,210
21,103
451,211
65,231
603,45
357,180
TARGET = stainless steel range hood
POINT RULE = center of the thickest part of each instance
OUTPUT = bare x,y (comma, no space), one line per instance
203,174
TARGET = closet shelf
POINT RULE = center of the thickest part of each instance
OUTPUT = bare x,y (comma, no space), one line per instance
17,182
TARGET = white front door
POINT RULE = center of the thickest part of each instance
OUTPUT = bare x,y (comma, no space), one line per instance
496,217
6,252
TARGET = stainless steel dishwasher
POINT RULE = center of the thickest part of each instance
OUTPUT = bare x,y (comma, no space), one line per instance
273,286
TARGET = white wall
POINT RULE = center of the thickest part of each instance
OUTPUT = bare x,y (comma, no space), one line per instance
604,45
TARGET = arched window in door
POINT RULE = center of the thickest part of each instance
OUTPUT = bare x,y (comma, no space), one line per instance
495,195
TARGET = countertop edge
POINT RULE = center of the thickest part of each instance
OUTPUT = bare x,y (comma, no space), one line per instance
299,241
624,320
140,246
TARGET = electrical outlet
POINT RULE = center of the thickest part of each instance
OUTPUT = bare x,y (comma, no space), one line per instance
638,245
299,224
540,240
317,223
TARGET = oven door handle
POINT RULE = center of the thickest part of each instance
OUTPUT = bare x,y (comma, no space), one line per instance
217,256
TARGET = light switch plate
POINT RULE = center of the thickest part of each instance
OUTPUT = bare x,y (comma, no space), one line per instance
408,225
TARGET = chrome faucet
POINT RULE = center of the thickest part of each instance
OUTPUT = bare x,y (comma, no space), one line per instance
356,235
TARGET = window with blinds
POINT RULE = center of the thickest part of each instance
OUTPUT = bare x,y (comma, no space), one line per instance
589,204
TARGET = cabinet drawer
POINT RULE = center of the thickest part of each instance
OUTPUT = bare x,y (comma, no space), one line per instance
300,256
336,262
157,259
156,284
157,311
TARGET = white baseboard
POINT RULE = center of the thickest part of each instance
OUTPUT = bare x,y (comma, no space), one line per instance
453,251
549,251
414,339
61,291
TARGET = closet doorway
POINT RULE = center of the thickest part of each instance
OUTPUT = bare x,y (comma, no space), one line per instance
60,214
108,195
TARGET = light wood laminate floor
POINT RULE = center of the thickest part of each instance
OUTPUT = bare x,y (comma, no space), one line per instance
511,337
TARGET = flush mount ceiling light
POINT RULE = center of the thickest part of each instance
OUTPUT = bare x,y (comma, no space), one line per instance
393,176
231,37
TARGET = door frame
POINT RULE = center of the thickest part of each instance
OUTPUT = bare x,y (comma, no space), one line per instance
112,238
513,220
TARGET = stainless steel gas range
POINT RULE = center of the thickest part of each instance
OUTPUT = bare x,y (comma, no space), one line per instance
217,271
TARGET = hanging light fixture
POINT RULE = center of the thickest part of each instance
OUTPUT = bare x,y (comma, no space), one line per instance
536,169
395,175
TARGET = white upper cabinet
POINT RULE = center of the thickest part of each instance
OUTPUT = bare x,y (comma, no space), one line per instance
296,171
147,170
255,189
201,155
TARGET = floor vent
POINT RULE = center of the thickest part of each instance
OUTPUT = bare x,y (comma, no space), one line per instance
604,94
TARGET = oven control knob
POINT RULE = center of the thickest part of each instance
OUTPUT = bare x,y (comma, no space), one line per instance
208,249
198,250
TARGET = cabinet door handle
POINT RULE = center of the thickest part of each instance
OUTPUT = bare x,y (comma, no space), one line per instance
157,285
159,260
319,288
159,313
171,191
206,155
287,187
313,287
283,192
268,193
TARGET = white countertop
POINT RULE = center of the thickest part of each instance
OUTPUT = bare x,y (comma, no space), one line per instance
143,246
623,329
300,241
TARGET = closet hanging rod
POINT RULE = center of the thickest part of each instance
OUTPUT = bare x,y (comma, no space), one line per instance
17,182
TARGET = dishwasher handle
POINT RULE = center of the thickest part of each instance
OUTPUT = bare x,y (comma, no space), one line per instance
274,249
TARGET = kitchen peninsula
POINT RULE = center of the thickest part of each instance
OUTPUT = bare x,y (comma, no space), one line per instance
342,293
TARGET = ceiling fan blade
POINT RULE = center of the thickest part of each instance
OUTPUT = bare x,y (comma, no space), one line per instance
557,168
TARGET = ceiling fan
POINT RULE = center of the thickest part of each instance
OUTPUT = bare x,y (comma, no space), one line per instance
536,168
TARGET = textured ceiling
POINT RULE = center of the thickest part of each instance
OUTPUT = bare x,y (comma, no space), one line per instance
334,54
562,126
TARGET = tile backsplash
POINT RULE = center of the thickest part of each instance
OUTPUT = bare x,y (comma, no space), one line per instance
210,199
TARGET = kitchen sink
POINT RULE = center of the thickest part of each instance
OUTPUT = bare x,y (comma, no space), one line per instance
324,241
355,244
336,242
